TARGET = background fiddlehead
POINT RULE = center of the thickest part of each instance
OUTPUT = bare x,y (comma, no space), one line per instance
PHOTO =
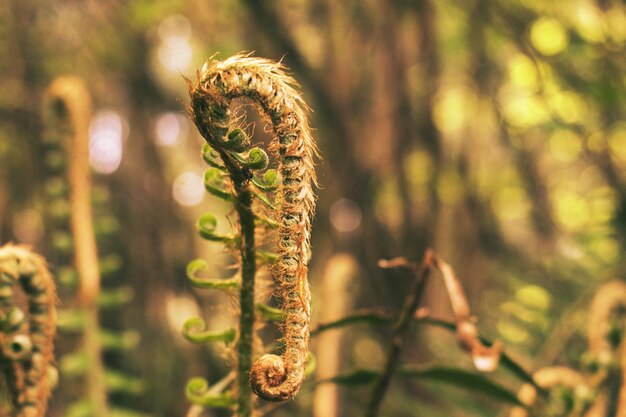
598,389
27,331
67,113
76,235
265,83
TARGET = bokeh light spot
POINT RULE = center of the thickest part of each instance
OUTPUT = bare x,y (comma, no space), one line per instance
606,249
169,129
602,205
565,145
511,203
589,23
188,189
524,109
522,72
617,141
548,36
568,106
174,28
571,210
178,309
449,187
453,108
419,168
616,23
596,142
174,51
534,296
27,226
105,142
345,215
175,58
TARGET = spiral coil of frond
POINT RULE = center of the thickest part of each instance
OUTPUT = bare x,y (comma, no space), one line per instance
27,337
267,86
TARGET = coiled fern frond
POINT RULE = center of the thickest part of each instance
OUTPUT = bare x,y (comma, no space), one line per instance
280,199
27,331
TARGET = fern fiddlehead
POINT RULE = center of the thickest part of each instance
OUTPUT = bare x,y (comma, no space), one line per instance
67,114
272,377
601,389
27,338
84,231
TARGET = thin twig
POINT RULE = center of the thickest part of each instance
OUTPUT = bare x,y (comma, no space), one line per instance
397,263
399,333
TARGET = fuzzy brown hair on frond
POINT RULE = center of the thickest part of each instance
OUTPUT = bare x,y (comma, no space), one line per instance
266,84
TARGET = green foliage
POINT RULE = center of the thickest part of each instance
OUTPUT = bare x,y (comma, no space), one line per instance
198,393
451,376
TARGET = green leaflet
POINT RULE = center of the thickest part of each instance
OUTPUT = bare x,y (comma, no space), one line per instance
74,364
193,330
265,221
198,392
207,225
71,320
257,159
219,284
238,141
80,409
267,257
269,182
116,340
120,382
263,199
270,313
214,184
311,364
116,297
209,155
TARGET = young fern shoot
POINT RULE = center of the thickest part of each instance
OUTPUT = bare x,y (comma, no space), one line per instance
271,90
27,335
67,114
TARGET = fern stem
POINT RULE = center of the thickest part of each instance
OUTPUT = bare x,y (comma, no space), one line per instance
243,205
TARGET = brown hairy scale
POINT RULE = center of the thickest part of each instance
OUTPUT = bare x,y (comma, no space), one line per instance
265,83
26,339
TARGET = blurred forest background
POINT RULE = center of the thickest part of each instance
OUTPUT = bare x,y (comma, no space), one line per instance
491,131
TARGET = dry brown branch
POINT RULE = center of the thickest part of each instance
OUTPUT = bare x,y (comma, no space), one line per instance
485,358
